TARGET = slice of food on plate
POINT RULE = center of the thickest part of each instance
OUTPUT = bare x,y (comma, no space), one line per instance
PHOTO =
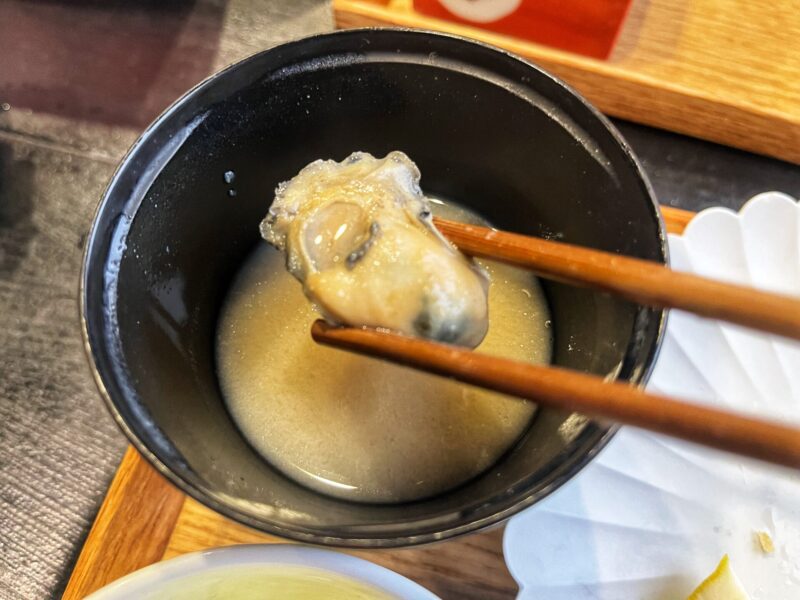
722,584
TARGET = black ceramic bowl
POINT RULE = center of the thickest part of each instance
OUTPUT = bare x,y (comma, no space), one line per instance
486,129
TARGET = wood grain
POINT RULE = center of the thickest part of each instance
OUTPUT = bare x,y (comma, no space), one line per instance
467,567
131,530
722,70
565,389
641,281
144,519
676,219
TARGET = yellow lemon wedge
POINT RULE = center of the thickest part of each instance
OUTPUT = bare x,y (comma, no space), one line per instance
722,584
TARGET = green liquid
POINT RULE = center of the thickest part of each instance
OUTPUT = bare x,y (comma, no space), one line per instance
267,583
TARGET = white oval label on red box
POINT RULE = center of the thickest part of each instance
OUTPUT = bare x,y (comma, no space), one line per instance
481,11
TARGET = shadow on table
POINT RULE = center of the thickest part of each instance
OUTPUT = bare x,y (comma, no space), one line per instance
113,61
17,229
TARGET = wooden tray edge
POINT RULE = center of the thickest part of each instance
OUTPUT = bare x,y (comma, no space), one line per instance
136,519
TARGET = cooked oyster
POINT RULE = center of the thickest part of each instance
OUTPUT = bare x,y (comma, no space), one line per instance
359,236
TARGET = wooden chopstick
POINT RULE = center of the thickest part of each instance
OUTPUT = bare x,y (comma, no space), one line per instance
640,281
569,390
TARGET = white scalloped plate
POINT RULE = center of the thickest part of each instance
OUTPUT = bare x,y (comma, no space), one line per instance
651,516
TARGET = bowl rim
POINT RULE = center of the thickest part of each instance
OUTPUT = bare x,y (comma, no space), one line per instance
147,579
603,432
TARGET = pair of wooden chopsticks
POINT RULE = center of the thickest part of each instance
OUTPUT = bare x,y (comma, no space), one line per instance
641,281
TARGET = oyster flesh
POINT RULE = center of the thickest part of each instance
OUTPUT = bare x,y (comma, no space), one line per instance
360,238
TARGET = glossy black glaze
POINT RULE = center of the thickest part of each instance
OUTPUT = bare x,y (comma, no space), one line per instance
486,129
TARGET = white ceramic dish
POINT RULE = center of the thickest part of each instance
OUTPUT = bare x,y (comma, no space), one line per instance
651,517
148,581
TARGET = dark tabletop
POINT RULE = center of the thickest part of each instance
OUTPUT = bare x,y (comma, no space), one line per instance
78,80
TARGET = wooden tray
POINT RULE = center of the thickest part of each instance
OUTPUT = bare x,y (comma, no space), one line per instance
719,70
145,519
